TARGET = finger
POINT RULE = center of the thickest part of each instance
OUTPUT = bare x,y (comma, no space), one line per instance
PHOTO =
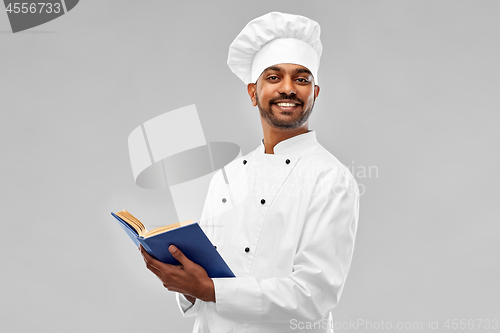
157,267
152,262
177,254
145,254
155,271
147,257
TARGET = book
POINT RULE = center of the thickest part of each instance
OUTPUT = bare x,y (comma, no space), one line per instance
187,236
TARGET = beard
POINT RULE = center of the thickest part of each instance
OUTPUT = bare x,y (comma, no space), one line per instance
286,123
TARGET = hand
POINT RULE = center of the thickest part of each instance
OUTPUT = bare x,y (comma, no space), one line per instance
188,278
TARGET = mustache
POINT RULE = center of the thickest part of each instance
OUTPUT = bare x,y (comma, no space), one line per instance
282,96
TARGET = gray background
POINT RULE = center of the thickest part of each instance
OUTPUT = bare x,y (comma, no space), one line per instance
410,88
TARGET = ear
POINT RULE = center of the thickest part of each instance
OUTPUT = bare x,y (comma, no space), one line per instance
316,92
252,88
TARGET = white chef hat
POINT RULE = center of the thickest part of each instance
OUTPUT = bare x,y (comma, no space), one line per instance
275,38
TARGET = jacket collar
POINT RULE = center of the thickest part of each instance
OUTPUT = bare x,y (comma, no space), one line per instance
296,145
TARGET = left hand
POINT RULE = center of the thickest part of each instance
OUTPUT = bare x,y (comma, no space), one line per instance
188,278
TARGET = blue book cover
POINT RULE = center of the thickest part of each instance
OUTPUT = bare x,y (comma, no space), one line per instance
190,239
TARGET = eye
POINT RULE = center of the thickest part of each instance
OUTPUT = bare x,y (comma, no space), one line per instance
272,78
302,80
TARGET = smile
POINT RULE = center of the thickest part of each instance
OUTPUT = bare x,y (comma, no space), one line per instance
286,104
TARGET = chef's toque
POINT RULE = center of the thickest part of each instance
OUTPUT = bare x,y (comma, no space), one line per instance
275,38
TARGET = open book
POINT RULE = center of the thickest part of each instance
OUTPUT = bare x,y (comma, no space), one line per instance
187,236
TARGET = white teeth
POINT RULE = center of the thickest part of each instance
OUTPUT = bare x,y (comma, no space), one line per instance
286,104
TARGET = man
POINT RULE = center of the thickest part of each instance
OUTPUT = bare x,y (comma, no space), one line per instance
289,241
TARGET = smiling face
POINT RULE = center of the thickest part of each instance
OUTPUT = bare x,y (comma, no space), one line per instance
285,95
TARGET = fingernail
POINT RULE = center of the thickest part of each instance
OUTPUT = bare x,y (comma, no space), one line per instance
173,249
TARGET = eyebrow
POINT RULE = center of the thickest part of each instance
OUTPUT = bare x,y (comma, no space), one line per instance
303,70
273,68
279,69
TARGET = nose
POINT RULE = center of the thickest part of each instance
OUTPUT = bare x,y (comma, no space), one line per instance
286,86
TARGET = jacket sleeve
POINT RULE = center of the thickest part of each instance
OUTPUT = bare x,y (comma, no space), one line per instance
321,263
187,308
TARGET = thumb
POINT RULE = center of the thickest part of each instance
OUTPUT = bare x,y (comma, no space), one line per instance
177,254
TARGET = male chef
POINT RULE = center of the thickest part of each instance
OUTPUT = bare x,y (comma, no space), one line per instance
289,240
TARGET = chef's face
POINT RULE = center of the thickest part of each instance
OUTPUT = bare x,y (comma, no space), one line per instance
285,95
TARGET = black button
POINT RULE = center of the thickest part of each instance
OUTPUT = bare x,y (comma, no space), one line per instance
215,247
224,200
247,249
263,201
287,161
244,162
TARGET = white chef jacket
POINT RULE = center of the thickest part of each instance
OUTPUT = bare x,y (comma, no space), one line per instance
286,226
